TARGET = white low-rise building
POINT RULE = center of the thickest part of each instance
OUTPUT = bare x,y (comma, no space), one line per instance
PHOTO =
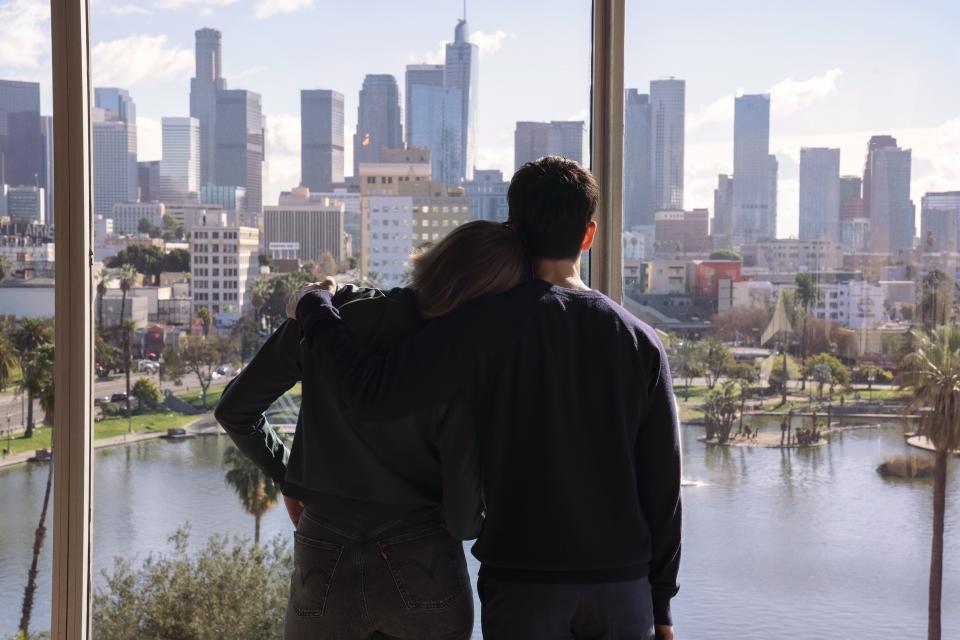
223,260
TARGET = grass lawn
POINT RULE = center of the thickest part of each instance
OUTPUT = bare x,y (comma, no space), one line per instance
214,393
105,429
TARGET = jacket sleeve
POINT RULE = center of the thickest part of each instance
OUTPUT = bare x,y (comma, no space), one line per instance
422,371
460,470
240,411
658,484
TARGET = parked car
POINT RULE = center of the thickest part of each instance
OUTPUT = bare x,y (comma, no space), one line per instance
148,366
118,397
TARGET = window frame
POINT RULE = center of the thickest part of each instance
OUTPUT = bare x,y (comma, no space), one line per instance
73,309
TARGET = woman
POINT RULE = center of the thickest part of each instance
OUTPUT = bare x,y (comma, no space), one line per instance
380,509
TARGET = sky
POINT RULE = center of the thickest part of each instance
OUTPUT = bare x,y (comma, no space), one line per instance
838,72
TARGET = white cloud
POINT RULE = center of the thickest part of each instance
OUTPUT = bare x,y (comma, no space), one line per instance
127,9
490,43
24,34
786,98
134,59
149,139
246,73
186,4
267,8
283,155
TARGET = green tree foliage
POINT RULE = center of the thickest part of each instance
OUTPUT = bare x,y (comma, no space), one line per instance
716,360
777,380
199,356
686,360
256,491
176,260
726,254
147,227
246,336
229,589
326,265
8,361
869,374
932,374
720,411
826,369
36,364
276,291
5,267
936,299
148,394
745,324
145,259
172,230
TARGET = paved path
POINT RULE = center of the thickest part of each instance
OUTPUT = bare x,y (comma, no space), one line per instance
922,442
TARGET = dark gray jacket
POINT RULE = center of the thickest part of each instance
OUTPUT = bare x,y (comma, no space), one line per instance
428,459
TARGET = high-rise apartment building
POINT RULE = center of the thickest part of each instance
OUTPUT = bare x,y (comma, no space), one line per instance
223,264
637,160
240,144
723,209
180,166
117,102
754,172
115,175
378,120
851,197
532,140
461,79
205,84
314,226
886,196
667,106
819,193
940,222
21,146
321,138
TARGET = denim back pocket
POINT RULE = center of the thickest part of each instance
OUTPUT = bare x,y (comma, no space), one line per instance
428,567
314,563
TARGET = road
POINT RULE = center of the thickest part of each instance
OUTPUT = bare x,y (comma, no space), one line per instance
13,405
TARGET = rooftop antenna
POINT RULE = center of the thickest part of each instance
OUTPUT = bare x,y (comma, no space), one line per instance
464,10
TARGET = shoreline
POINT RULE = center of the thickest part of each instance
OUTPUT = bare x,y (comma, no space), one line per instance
771,441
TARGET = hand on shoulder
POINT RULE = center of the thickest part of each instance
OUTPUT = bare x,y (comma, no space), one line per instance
327,284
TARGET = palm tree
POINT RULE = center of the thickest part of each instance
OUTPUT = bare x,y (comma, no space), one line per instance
127,276
27,339
808,295
26,609
204,314
103,278
5,267
127,327
8,361
257,492
932,373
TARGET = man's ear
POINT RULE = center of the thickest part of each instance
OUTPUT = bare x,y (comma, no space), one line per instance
588,236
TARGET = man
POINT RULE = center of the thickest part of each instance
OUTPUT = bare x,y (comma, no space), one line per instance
579,438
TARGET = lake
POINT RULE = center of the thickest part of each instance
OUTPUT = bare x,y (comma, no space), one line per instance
778,544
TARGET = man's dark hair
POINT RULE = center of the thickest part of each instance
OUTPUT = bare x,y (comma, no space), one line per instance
551,202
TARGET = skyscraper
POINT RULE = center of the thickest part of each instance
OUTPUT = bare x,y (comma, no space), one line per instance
180,166
940,222
637,165
433,119
667,105
460,77
851,197
115,178
239,142
116,101
21,146
204,86
321,138
46,166
423,85
886,196
148,180
723,209
378,120
819,193
532,140
754,172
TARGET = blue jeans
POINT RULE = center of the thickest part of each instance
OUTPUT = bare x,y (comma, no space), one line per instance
399,581
540,611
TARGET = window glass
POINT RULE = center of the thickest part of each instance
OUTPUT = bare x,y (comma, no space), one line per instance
225,136
26,317
790,184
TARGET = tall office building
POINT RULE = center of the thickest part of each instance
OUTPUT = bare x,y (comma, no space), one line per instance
819,193
667,105
487,193
461,79
205,84
115,176
21,145
723,209
851,197
321,138
314,227
940,222
886,196
754,172
117,102
46,166
423,86
637,155
25,205
239,142
180,166
434,118
148,180
378,120
532,140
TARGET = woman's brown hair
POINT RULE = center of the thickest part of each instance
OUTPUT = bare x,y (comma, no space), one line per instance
475,259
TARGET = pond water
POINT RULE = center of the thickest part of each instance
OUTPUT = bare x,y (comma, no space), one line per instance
778,544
